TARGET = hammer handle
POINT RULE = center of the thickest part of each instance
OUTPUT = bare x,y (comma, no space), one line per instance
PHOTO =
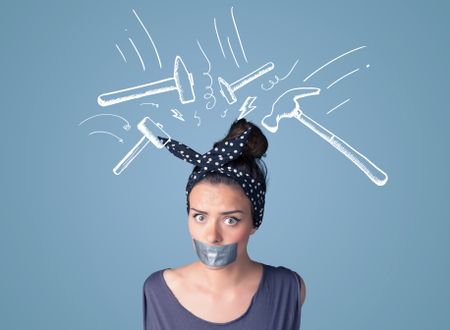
131,155
373,172
136,92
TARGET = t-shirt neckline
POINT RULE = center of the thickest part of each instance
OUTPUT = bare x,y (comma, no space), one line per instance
172,296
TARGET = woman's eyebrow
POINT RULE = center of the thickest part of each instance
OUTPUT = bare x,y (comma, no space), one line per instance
223,213
199,211
231,212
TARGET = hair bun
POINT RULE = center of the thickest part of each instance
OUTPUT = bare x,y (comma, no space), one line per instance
256,145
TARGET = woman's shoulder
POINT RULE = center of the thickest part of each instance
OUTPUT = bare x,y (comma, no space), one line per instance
287,273
282,270
171,276
153,279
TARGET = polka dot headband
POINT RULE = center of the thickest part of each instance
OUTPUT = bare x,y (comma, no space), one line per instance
217,161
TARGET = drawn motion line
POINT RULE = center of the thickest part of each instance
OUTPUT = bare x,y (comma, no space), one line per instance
125,127
339,105
339,79
120,51
138,54
237,33
150,103
119,139
218,38
334,59
149,37
232,52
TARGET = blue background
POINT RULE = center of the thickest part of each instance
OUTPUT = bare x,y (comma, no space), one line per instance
77,241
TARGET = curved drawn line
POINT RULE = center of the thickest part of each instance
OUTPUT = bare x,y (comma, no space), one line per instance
218,38
148,35
340,104
290,71
232,53
209,95
338,80
109,133
224,113
239,37
125,127
351,51
120,51
270,82
150,103
137,52
278,79
197,117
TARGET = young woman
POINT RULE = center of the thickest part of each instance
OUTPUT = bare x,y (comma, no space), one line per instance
225,288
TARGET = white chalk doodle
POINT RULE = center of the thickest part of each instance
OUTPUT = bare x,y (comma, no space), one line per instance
340,78
271,122
156,105
148,136
334,59
121,53
149,37
338,106
198,118
182,82
126,127
247,107
238,35
232,52
210,94
228,90
119,139
218,38
138,53
177,114
277,79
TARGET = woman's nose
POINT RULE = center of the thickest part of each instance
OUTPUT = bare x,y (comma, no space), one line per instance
213,234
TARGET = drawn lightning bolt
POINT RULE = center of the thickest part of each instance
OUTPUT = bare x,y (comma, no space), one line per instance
177,114
247,106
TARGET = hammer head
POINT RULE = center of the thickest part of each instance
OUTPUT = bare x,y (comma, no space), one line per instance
184,81
288,100
144,127
226,91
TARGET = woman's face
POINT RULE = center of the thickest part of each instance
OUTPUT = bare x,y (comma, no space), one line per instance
220,214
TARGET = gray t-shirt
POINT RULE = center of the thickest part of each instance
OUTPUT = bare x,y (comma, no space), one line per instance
275,305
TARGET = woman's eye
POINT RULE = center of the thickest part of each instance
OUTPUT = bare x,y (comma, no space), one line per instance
231,221
199,217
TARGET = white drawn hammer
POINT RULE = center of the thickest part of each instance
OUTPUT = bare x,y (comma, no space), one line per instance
182,81
373,172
